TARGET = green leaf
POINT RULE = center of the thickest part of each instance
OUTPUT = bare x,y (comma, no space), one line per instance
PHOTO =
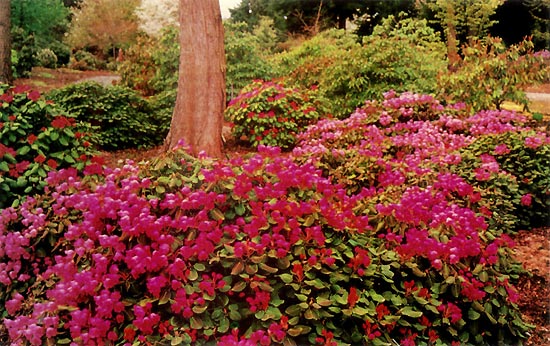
294,310
63,141
267,268
409,311
199,267
286,278
193,275
239,286
473,315
23,150
223,327
176,340
196,323
240,209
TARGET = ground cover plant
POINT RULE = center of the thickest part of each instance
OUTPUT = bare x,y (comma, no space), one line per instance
370,232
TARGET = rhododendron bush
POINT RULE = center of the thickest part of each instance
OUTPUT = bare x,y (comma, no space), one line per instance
35,138
377,229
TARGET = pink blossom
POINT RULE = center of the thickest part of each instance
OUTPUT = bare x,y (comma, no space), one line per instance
526,200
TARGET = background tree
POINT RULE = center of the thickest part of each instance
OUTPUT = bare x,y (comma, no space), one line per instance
295,16
520,18
38,28
377,10
103,24
461,20
154,15
5,42
200,100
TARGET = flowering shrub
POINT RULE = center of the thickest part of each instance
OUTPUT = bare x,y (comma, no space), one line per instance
268,113
363,235
35,138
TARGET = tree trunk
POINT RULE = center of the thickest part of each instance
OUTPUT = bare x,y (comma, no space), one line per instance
200,101
452,42
5,42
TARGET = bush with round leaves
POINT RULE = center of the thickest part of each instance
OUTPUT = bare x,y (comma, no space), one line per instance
36,137
123,118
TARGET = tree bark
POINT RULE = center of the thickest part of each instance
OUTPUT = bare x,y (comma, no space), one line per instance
5,42
452,42
200,101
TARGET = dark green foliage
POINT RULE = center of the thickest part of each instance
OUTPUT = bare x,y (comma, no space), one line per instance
243,58
523,159
124,118
23,52
86,61
37,25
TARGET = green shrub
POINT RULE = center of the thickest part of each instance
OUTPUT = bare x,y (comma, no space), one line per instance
151,65
491,73
304,64
86,61
404,55
519,194
46,58
35,138
245,59
24,46
268,113
124,119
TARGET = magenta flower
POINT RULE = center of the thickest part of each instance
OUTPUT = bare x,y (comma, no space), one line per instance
526,200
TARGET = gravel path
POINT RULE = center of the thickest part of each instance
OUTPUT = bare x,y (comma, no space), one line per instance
104,80
538,97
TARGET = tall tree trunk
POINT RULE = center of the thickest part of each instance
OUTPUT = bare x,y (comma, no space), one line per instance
5,42
200,101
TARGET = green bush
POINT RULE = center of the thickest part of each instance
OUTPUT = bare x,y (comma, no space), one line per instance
491,73
35,138
404,55
46,58
268,113
124,119
518,194
245,59
24,47
151,65
86,61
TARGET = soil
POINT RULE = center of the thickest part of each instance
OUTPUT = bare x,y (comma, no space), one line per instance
44,79
532,246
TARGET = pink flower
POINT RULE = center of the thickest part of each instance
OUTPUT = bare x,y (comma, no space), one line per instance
502,149
526,200
533,142
33,95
